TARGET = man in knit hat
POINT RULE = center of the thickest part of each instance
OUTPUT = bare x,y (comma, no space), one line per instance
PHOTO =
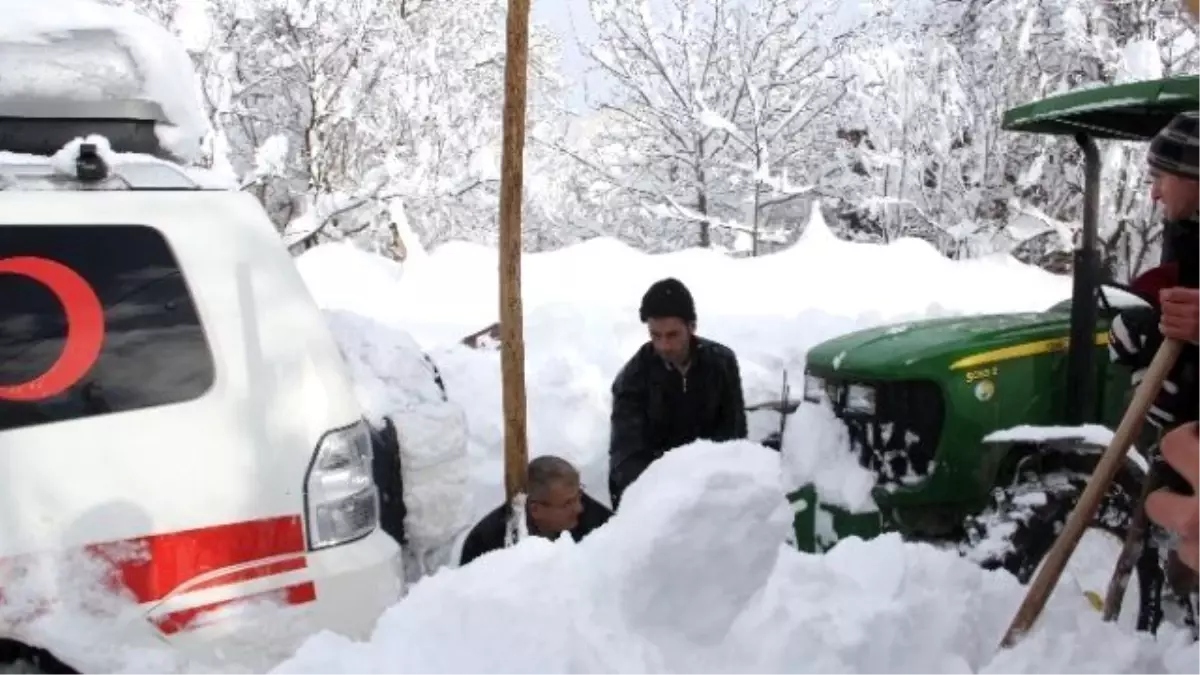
1173,159
1171,287
1175,166
677,388
1136,334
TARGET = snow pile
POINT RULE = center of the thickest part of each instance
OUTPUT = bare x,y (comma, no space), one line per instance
88,51
342,275
65,600
822,283
693,576
816,451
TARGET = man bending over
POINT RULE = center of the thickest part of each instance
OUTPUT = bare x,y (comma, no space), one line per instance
677,388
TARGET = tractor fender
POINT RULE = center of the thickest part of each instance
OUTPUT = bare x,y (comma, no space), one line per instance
1008,453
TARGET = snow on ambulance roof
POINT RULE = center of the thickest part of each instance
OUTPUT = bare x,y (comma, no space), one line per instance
84,51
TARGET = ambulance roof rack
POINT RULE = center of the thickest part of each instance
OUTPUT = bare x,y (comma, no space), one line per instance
92,172
41,126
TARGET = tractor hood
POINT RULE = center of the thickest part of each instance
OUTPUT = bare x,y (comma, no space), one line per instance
901,349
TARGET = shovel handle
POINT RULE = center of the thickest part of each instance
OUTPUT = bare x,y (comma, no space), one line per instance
1089,502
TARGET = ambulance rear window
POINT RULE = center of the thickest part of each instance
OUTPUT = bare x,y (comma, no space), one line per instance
94,320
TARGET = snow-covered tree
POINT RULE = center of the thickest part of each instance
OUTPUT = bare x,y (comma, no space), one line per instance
715,106
938,165
379,120
331,111
779,122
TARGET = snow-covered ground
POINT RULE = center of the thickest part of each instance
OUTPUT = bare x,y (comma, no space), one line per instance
693,574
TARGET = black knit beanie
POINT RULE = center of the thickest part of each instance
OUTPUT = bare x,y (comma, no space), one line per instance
668,298
1174,149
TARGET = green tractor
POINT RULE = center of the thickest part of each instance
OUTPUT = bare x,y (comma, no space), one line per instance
941,410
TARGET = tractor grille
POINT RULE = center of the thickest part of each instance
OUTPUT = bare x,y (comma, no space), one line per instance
898,442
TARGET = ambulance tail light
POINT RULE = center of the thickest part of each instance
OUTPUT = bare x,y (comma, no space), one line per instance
341,499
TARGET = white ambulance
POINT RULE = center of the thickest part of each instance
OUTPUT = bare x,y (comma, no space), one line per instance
184,467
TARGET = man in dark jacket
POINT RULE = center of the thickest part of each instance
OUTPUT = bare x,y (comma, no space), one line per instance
555,503
677,388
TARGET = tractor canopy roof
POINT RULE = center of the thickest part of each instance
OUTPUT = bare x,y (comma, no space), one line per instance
1134,111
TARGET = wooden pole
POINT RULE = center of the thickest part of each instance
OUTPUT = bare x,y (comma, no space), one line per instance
512,334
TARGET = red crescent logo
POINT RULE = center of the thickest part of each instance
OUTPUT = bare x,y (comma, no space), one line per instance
85,328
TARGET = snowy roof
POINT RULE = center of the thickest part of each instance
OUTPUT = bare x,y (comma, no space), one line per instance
1131,111
90,53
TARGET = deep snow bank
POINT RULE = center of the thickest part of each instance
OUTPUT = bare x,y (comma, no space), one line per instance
454,290
692,576
581,320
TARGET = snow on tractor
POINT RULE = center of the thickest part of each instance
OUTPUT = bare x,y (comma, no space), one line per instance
954,417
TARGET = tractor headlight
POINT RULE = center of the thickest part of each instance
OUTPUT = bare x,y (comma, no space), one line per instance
814,388
860,398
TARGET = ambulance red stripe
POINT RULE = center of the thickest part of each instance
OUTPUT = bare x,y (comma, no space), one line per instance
167,561
297,594
252,573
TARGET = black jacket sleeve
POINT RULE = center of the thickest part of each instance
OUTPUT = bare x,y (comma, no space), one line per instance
485,537
732,421
628,451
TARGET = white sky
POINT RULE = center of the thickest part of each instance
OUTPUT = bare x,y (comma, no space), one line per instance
572,21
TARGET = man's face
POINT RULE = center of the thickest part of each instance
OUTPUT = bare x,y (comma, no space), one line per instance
558,510
671,338
1177,195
